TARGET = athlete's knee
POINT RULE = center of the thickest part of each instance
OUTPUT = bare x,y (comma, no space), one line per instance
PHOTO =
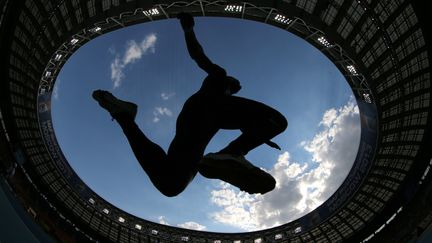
279,122
171,190
171,193
171,187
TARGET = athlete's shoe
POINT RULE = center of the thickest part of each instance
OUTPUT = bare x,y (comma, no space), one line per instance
113,105
237,171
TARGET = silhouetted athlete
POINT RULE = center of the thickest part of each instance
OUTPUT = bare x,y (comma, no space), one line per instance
212,108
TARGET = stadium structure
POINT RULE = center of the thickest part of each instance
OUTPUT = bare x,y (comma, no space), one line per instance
382,47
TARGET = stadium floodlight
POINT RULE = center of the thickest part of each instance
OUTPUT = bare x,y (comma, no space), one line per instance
324,41
278,237
298,230
58,57
233,8
121,220
185,238
425,172
74,41
154,232
282,19
369,237
92,201
367,98
259,240
47,74
96,29
391,218
138,227
217,241
151,12
237,241
380,228
352,70
106,211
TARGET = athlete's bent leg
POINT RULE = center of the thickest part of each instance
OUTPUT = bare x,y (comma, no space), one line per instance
258,122
169,180
160,168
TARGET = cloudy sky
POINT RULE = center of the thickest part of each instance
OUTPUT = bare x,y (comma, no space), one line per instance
148,64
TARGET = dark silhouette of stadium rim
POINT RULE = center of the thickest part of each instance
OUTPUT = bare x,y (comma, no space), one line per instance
364,40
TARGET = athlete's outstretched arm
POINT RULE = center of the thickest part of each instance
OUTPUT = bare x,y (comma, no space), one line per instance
194,47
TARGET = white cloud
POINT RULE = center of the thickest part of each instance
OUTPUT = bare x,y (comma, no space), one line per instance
162,220
167,96
163,111
337,144
149,43
159,112
187,225
329,117
301,187
55,92
134,52
117,74
192,225
112,50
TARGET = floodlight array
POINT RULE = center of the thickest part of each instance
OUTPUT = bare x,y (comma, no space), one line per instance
233,8
324,41
367,98
352,70
184,238
96,29
278,236
58,57
74,41
138,227
426,172
382,226
154,231
282,19
151,12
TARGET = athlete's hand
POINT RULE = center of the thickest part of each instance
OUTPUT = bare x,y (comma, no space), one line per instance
186,20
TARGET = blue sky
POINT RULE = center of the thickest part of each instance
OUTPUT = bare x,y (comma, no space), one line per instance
148,64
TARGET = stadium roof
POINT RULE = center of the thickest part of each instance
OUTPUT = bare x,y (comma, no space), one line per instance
383,48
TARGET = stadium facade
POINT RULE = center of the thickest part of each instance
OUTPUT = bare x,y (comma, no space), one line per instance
383,48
